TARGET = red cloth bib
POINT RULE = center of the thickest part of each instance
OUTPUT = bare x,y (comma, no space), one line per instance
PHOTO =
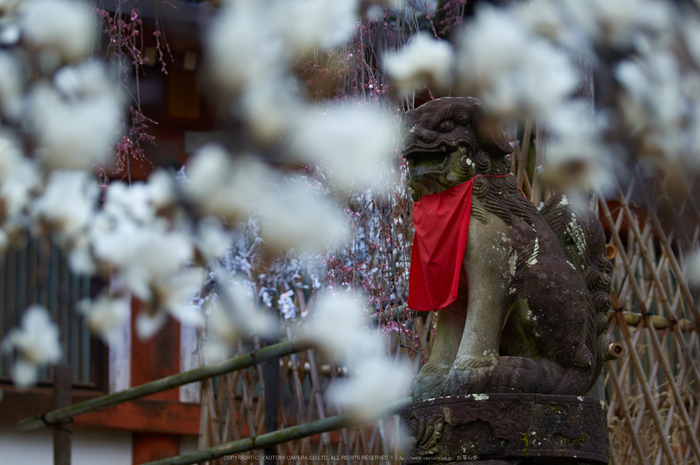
442,226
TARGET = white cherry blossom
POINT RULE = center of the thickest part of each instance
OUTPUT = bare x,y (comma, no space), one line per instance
354,140
374,383
310,23
75,120
19,179
423,60
106,316
235,313
68,203
243,44
515,70
60,27
36,343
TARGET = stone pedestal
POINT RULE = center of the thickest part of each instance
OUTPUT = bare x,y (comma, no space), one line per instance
500,429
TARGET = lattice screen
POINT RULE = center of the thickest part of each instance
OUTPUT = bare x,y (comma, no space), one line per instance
653,391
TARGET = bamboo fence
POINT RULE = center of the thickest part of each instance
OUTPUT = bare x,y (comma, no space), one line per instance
652,392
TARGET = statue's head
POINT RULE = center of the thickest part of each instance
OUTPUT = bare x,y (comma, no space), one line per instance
449,141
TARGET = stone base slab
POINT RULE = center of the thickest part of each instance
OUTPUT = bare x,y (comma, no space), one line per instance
505,429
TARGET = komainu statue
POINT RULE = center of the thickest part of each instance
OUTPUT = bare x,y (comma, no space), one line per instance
522,294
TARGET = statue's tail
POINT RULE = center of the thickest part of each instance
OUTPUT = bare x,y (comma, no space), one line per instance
583,238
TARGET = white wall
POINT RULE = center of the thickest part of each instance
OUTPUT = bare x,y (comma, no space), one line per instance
189,360
120,360
88,447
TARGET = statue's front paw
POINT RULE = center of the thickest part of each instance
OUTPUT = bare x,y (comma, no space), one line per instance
458,382
467,376
427,386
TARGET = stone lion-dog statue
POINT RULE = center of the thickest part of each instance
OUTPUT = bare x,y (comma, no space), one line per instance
530,313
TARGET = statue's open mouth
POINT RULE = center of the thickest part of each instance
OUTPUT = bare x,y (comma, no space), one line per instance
436,159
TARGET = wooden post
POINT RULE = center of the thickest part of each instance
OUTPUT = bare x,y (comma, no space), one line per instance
62,430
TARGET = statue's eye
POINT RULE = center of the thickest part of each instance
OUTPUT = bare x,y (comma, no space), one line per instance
447,125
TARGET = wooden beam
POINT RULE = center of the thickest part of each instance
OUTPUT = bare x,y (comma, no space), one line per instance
148,447
151,416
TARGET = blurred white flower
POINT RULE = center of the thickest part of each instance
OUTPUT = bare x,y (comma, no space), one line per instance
549,18
76,121
293,216
80,256
175,293
87,79
133,201
128,202
148,324
19,178
619,23
495,44
165,293
690,28
338,326
659,100
224,325
68,203
215,351
243,44
212,239
235,313
36,342
250,41
317,23
66,28
11,86
511,67
206,172
106,317
423,60
355,142
373,384
219,189
144,254
270,107
576,155
161,189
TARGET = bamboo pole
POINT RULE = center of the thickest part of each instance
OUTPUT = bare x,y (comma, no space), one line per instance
658,321
291,433
169,382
